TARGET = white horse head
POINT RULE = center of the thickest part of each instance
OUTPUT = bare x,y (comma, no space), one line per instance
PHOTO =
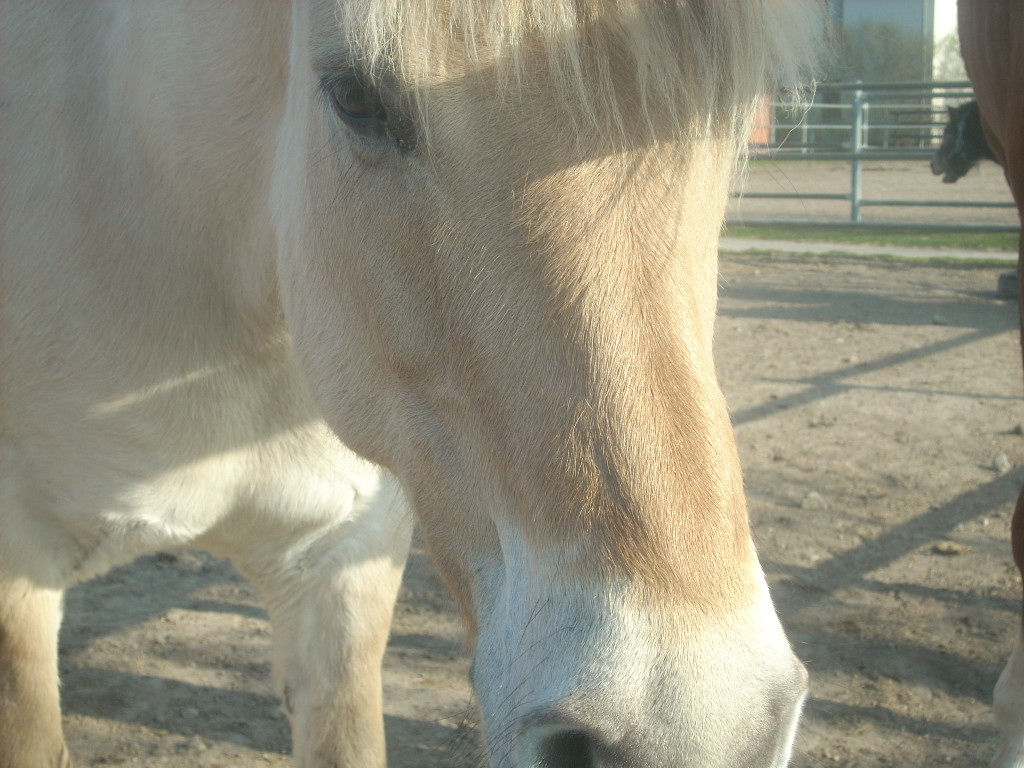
474,240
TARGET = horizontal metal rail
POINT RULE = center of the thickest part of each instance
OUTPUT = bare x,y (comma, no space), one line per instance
936,85
845,197
937,203
864,154
794,195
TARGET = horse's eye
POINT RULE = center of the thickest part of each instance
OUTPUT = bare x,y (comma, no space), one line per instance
361,107
355,101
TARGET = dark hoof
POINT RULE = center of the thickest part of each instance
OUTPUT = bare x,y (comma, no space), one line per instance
1007,288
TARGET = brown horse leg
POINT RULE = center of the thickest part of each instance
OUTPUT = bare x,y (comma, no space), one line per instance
30,729
1008,704
1008,698
990,36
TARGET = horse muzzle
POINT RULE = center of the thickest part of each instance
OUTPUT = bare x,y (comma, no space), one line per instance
604,686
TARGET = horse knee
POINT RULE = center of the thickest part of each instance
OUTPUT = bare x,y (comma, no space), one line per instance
30,726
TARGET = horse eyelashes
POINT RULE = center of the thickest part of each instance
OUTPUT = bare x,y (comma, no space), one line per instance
354,101
361,107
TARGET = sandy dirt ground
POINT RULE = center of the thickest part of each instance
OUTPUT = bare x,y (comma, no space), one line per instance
878,410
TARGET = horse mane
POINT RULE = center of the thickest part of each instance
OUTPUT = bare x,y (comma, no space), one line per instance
696,66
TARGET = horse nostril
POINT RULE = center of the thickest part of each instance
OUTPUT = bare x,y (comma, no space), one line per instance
567,749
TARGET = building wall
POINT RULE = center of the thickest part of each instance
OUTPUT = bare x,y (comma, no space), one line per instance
946,61
931,22
906,15
945,18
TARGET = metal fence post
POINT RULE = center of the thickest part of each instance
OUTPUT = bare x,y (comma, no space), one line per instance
856,144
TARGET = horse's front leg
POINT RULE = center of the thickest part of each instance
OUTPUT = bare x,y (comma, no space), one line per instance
30,727
329,642
330,589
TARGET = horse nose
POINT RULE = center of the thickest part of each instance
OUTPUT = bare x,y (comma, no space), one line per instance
549,740
566,749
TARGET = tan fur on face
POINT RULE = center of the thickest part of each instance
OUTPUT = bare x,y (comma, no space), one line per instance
650,458
613,436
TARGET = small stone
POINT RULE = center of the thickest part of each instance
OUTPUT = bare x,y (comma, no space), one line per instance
1018,430
814,500
195,744
949,548
1001,463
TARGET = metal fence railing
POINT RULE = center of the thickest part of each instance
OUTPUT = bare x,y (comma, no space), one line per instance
857,123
